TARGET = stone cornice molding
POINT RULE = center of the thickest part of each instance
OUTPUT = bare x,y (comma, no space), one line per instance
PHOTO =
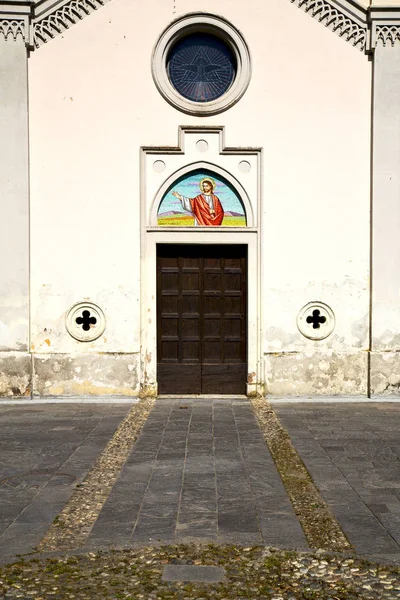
15,19
35,22
344,17
384,27
52,17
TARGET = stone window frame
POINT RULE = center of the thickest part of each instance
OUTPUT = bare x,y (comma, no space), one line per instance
198,23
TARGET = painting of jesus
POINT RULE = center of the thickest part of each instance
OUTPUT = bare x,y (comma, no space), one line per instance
206,207
215,204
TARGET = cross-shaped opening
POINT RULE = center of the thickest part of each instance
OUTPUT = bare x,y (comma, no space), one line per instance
86,320
316,319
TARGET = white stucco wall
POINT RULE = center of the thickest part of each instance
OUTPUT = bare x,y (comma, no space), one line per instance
93,104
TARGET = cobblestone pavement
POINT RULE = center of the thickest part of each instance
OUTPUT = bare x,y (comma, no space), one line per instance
352,452
200,471
199,572
45,451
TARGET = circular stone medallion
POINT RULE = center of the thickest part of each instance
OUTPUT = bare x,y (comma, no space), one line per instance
85,321
316,321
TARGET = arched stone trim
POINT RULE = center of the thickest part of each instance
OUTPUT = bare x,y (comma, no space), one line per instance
209,167
62,16
343,17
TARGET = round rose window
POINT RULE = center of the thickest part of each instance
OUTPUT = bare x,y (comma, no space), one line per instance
201,64
201,67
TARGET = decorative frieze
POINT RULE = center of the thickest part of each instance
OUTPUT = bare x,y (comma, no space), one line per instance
363,28
384,28
12,29
342,18
15,16
52,17
387,35
63,18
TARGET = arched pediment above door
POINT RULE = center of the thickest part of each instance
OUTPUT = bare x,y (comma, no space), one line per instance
200,156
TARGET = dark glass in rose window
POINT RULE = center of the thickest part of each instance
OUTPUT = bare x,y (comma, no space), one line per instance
201,67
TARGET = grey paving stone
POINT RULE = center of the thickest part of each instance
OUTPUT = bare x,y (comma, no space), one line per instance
204,490
158,510
39,512
165,484
110,534
169,498
198,485
9,512
45,451
148,531
199,533
21,538
196,519
234,522
188,512
194,464
121,512
348,449
194,573
137,473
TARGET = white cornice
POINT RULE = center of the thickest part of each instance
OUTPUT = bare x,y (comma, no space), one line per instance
362,24
15,18
344,17
384,27
347,18
53,17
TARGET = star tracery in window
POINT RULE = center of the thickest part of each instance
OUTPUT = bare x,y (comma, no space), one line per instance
201,67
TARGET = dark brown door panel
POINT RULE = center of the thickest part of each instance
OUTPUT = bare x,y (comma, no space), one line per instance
201,319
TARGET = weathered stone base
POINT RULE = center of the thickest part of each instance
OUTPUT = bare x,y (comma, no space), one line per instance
385,373
317,373
86,375
286,374
15,374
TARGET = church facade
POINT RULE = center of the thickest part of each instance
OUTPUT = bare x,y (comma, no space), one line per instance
199,198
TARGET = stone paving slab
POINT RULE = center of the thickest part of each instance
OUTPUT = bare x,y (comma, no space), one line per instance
352,452
200,471
194,573
45,451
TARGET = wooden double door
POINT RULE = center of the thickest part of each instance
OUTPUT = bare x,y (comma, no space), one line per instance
201,319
